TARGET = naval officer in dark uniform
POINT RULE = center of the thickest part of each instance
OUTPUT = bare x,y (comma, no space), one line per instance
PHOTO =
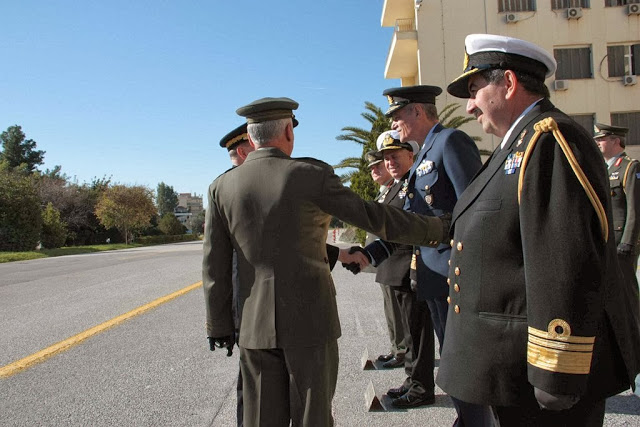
624,173
289,320
540,329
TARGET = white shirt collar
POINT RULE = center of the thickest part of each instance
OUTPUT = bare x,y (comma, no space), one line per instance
515,123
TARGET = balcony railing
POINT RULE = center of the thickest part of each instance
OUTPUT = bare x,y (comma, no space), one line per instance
404,25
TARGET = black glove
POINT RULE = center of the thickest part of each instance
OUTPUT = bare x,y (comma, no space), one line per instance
625,249
555,402
220,343
353,267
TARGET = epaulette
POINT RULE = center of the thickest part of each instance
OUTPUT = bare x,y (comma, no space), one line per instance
549,125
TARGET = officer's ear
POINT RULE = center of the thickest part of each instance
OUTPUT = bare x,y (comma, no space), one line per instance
511,83
251,141
288,131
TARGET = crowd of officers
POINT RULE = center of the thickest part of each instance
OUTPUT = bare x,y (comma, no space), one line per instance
523,266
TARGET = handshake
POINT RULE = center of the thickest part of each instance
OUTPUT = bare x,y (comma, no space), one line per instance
355,258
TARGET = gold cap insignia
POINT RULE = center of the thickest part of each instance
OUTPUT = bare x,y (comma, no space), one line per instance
390,99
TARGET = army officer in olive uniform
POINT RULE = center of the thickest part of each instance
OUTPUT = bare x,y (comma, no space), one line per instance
289,320
624,173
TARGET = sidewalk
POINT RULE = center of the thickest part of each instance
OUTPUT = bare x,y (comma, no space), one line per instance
364,328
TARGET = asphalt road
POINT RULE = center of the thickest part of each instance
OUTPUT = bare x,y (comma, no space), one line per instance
155,368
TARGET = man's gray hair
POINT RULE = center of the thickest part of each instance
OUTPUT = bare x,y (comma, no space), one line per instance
262,133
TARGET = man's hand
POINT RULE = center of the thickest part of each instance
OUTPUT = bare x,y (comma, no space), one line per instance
555,402
226,342
354,259
625,249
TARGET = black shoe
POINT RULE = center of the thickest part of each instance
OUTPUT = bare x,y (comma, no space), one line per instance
394,362
385,357
397,392
410,401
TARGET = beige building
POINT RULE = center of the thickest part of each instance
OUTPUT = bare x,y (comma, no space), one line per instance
595,42
190,203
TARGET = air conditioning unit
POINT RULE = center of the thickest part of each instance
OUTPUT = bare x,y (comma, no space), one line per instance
633,9
511,18
574,13
630,80
561,85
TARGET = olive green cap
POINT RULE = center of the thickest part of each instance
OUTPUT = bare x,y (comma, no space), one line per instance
266,109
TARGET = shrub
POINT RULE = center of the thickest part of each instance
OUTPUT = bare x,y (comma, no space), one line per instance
20,217
54,230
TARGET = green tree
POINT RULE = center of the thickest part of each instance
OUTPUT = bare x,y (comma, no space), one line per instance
126,208
54,230
19,153
167,199
170,225
197,223
20,218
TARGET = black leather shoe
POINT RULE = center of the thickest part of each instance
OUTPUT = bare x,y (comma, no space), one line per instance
410,401
394,362
397,392
385,357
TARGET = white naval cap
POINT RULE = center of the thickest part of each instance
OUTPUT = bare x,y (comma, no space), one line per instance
390,140
490,51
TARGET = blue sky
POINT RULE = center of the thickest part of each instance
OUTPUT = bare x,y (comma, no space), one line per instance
143,91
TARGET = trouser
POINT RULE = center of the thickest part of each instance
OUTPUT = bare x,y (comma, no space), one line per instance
239,404
585,413
406,300
289,384
438,308
422,345
393,314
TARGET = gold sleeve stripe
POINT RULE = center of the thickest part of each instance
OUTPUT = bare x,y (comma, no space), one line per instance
561,353
236,139
558,361
550,125
570,339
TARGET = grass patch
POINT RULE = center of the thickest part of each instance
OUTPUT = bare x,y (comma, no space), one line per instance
70,250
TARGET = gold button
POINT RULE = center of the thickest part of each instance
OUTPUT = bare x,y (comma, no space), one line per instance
411,195
448,300
457,271
449,263
426,187
449,282
417,251
456,308
456,288
460,246
451,242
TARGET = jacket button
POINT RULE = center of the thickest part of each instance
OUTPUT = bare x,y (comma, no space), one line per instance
449,282
449,263
426,187
459,246
456,308
451,242
417,251
411,195
448,300
456,288
457,271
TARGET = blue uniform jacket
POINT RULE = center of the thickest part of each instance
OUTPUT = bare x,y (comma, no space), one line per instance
443,168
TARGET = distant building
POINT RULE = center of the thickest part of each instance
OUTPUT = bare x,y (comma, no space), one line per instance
596,45
183,215
191,203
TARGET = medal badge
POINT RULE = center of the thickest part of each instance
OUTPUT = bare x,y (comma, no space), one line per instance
513,162
403,191
424,168
521,139
429,199
614,175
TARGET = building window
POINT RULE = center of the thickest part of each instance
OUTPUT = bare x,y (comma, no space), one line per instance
573,63
611,3
587,121
564,4
516,5
623,60
631,121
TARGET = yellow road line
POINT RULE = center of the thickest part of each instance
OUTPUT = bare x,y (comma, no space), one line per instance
42,355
